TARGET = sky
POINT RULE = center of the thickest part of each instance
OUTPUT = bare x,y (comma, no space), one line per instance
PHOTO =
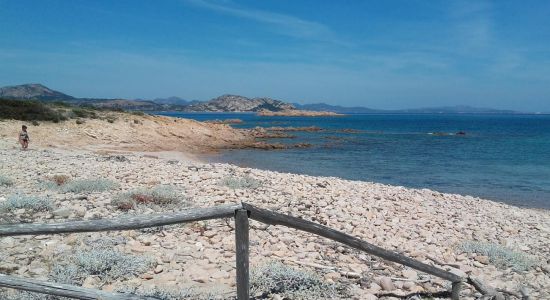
378,54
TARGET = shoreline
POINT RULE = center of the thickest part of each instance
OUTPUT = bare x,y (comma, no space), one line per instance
201,158
420,223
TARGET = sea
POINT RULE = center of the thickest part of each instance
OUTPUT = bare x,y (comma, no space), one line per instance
504,158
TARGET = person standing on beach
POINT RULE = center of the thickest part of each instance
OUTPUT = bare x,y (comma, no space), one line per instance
24,138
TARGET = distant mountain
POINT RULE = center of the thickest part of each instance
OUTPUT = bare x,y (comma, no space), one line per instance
458,109
33,91
235,103
335,108
43,93
122,104
224,103
175,101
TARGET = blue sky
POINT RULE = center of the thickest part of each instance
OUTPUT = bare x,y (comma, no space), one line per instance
380,54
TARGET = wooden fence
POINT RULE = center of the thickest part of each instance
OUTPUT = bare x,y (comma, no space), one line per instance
241,213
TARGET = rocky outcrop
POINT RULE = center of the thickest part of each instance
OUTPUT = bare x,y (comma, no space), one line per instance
32,91
235,103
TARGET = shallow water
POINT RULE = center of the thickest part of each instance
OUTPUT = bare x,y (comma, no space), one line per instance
501,157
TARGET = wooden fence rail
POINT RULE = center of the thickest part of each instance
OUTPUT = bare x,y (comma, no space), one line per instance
241,213
124,223
63,290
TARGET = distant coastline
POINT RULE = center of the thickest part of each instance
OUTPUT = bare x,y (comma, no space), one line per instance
228,103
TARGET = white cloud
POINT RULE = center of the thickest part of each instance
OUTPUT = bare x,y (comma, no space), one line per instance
282,23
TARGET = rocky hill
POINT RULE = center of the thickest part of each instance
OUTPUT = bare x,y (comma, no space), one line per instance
33,91
235,103
175,101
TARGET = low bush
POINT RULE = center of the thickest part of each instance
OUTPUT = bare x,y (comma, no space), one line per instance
31,203
88,185
168,293
160,195
500,256
5,180
245,182
27,110
80,112
277,278
137,113
6,294
102,260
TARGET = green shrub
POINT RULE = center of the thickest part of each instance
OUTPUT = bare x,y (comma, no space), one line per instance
88,185
159,195
245,182
500,256
5,180
277,278
101,260
27,110
138,113
80,112
79,122
18,201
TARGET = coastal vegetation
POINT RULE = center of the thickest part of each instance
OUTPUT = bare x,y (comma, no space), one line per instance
29,110
161,195
101,261
244,182
87,185
5,180
275,277
28,203
35,111
500,256
167,293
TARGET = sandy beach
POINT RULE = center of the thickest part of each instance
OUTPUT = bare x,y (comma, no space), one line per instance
151,152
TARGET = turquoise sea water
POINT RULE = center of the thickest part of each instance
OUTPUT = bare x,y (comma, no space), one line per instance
501,157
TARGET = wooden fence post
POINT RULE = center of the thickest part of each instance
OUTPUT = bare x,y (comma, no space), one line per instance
242,245
455,293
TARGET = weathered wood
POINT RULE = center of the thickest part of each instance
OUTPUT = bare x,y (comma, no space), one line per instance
242,251
270,217
63,290
124,223
481,287
455,290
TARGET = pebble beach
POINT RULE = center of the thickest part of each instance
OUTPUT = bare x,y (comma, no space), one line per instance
426,225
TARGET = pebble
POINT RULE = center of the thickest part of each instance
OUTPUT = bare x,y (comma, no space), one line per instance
386,284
